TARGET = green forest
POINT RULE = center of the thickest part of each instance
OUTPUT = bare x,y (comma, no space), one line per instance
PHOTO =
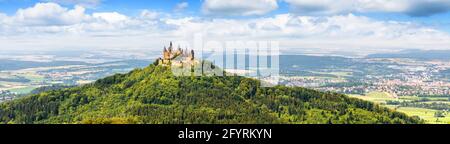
153,95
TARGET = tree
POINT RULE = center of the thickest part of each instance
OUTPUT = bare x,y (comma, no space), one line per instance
439,114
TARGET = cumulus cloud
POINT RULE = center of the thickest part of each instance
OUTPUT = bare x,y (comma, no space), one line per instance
49,14
2,17
85,3
181,6
149,15
238,7
110,17
409,7
287,26
340,33
428,7
52,26
51,19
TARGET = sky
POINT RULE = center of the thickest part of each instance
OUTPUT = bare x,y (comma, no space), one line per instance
357,26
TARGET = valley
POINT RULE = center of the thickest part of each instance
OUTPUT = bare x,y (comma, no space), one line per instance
417,87
20,77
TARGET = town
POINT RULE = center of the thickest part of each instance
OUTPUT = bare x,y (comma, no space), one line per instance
6,95
398,77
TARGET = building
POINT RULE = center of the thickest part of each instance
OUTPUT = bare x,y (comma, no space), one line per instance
177,57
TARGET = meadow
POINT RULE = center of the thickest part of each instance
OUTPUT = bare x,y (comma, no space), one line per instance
426,114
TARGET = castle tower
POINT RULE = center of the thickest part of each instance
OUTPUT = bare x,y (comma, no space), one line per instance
170,47
166,54
177,56
179,51
192,55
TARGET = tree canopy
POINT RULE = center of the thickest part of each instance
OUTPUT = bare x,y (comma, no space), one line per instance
153,95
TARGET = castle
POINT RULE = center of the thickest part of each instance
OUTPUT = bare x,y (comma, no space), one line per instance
176,57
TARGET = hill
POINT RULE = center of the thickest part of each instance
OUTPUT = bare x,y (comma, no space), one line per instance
17,65
416,54
153,95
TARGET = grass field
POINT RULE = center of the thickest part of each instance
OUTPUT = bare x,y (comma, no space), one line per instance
24,90
423,113
34,77
377,97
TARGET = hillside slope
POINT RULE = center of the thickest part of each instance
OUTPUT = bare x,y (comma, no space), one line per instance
154,96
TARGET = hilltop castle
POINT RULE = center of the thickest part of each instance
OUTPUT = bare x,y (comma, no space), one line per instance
176,57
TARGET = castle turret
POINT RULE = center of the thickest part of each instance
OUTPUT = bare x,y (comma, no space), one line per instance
166,54
176,56
186,52
171,47
192,55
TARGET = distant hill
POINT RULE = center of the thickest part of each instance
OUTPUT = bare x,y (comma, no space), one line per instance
16,65
314,62
153,95
49,88
416,54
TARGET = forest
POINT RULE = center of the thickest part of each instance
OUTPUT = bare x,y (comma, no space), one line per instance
153,95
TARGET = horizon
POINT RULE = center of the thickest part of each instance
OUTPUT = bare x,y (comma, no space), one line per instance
299,25
224,62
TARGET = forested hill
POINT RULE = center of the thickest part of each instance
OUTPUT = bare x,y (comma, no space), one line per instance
154,96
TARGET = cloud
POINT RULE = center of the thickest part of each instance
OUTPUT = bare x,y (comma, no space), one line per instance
49,14
110,17
147,14
85,3
342,33
181,6
2,17
409,7
51,26
428,7
238,7
54,19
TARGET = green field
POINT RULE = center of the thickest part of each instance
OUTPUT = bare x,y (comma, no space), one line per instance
34,78
24,90
426,114
377,97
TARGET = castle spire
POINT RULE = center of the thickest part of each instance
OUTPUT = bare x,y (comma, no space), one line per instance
170,47
192,55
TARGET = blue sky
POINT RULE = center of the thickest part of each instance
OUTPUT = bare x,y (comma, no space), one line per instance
133,7
125,6
371,25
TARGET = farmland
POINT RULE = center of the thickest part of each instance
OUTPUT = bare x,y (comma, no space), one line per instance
427,114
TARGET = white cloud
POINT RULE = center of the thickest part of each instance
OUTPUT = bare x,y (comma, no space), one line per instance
51,18
346,33
50,26
49,14
409,7
85,3
2,18
181,6
110,17
238,7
